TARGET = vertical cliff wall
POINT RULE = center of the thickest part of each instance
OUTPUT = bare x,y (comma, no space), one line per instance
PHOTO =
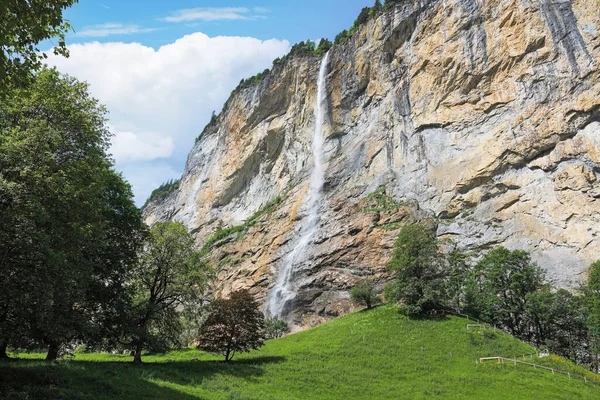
480,117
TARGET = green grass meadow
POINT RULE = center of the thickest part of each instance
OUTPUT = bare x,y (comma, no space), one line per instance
377,354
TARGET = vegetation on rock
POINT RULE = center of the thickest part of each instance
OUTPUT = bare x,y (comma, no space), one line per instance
162,191
223,233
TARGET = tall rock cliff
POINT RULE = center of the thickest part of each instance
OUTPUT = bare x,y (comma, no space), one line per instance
479,117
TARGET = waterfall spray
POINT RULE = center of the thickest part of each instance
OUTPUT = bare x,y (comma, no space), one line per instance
283,292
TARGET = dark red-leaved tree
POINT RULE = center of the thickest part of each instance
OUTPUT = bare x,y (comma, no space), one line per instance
234,325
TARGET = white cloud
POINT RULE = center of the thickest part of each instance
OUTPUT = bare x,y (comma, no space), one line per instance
159,100
214,14
261,10
130,147
112,29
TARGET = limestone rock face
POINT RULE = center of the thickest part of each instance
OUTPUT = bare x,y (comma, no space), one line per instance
482,115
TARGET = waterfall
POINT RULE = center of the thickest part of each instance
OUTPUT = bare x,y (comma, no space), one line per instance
283,292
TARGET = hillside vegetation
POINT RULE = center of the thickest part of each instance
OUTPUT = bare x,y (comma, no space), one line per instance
377,354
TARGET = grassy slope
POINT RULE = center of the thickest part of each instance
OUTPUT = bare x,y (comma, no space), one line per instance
366,355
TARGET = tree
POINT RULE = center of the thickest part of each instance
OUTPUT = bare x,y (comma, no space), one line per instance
591,299
24,25
362,18
72,227
418,268
323,47
503,279
556,319
341,37
275,327
377,7
170,272
390,3
234,325
364,293
459,270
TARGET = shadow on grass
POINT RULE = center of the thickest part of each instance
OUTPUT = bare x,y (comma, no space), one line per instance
35,379
364,310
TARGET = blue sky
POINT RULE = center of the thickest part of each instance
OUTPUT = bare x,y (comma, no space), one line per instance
161,67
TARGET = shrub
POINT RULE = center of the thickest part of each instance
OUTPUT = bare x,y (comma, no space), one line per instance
364,293
275,327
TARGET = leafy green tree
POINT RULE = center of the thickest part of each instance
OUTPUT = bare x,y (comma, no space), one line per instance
364,293
459,271
418,268
591,298
275,327
377,8
362,18
73,230
234,325
390,3
24,25
503,279
323,47
169,274
556,320
341,37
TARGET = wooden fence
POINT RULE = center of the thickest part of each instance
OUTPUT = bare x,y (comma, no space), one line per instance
502,360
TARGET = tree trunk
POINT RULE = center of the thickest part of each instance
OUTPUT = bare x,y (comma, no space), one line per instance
53,349
3,353
137,356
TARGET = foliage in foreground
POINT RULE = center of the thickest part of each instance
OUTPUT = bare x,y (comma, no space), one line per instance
70,230
24,25
377,354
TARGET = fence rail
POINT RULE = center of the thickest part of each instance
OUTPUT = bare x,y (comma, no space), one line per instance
502,360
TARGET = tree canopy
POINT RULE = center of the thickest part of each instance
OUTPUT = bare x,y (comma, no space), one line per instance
169,274
24,25
417,268
70,228
233,325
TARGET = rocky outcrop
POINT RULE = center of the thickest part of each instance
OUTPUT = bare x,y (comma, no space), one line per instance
480,117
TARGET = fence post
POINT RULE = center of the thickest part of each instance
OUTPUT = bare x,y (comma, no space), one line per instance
515,359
